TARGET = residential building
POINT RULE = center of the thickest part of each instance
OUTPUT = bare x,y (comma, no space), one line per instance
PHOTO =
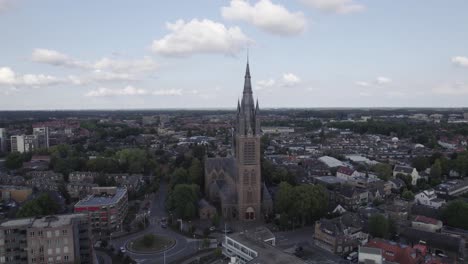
82,176
106,208
429,198
80,189
42,134
351,197
17,143
426,224
256,246
346,173
30,143
51,239
340,235
396,253
408,171
3,138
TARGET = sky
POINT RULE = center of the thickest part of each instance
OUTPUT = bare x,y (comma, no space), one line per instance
153,54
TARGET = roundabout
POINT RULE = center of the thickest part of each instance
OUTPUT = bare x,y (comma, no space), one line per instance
150,244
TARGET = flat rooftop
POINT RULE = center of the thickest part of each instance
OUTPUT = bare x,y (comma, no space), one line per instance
100,200
43,222
267,254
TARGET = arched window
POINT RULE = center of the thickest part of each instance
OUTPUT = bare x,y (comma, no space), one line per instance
250,213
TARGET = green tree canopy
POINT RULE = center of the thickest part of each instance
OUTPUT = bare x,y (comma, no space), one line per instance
41,206
184,199
379,226
383,171
456,214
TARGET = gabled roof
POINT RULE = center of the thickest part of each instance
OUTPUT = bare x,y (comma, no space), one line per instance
403,169
345,170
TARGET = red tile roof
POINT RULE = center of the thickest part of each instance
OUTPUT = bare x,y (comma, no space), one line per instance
394,252
345,170
425,219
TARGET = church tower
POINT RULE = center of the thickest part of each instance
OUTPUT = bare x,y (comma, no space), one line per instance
247,154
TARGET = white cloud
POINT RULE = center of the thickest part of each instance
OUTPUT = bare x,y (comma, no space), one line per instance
290,79
365,94
336,6
451,89
273,18
169,92
146,64
460,61
10,78
265,84
200,36
106,92
55,58
379,81
382,80
104,69
363,84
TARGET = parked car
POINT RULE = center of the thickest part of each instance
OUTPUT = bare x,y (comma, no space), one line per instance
123,250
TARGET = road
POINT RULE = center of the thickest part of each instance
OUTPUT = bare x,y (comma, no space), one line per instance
183,246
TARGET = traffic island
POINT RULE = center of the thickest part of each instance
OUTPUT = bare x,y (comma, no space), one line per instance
150,243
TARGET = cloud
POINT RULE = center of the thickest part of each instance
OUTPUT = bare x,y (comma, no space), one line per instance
336,6
290,79
56,58
379,81
382,80
451,89
106,92
460,61
272,18
200,36
9,78
362,83
169,92
265,84
104,69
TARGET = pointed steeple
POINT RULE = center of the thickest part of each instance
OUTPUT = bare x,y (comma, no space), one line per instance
256,107
238,106
247,82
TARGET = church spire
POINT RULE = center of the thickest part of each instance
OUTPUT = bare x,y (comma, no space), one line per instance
247,82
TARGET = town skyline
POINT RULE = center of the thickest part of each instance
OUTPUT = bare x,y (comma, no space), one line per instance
303,54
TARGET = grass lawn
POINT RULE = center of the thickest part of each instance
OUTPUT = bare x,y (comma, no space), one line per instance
159,243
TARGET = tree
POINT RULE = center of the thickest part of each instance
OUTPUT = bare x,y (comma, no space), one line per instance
383,171
132,160
179,176
284,198
407,195
456,214
41,206
436,170
420,163
378,226
195,171
14,161
183,200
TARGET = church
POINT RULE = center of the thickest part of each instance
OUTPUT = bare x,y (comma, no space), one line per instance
235,182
